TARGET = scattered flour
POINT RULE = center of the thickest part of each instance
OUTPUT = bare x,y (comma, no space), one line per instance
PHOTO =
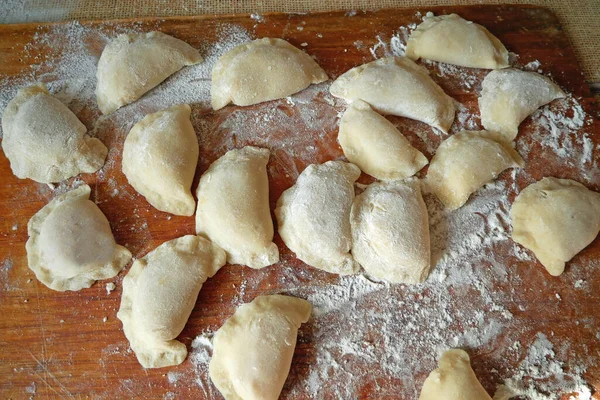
110,286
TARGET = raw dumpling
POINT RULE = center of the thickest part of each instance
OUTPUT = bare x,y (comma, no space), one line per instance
390,232
454,40
465,162
71,245
253,349
510,95
376,146
314,216
233,207
45,141
262,70
159,293
134,63
454,379
397,86
556,219
159,159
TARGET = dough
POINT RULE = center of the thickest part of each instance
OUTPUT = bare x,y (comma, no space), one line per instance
454,40
556,219
253,349
159,293
376,146
71,245
454,379
44,140
262,70
397,86
134,63
314,216
465,162
159,159
233,207
390,232
510,95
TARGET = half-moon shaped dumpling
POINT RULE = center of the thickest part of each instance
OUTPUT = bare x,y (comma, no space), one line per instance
159,159
390,232
556,219
397,86
233,207
134,63
44,140
454,40
71,245
314,216
454,379
262,70
465,162
159,293
510,95
253,349
376,146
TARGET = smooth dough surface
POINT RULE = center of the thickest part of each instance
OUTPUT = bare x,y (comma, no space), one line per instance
71,245
397,86
313,216
556,219
262,70
159,159
134,63
233,207
253,349
159,293
44,140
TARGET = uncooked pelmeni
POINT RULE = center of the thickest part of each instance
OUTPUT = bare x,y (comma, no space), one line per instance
262,70
71,245
44,140
134,63
159,293
397,86
253,349
313,216
233,207
556,219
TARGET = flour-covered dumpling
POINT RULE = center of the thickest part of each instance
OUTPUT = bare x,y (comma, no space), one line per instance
313,216
44,140
71,245
159,293
159,159
556,219
134,63
397,86
262,70
253,349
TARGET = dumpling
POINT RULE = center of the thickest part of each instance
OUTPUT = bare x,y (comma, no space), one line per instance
376,146
454,379
314,216
390,232
71,245
134,63
233,207
44,140
510,95
556,219
159,293
253,349
159,159
262,70
397,86
465,162
454,40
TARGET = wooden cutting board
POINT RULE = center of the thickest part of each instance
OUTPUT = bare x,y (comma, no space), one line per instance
71,344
